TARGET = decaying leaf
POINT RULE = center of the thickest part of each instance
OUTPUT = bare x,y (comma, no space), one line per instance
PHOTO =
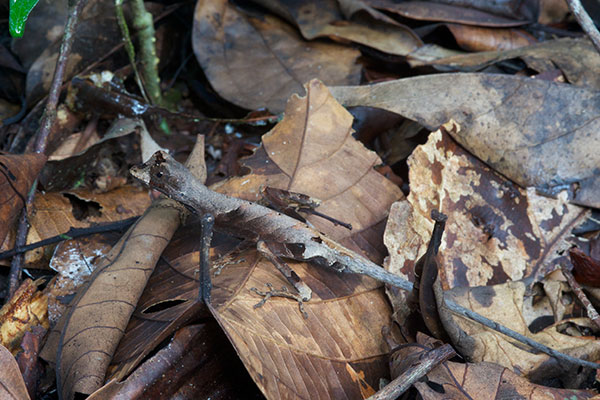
288,355
437,11
97,164
324,19
27,308
260,61
473,38
87,335
17,173
478,380
537,133
506,304
576,58
74,261
495,231
12,385
312,151
55,213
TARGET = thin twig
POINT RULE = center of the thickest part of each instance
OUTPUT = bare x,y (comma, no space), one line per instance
404,381
584,20
585,302
71,234
42,135
207,222
451,305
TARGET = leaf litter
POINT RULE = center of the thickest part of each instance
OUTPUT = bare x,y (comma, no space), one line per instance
510,167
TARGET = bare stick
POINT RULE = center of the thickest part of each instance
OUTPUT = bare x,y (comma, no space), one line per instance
42,136
288,237
451,305
584,20
589,308
207,223
404,381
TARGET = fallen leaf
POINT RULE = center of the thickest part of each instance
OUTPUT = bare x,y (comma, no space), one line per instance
479,380
56,213
17,174
12,385
324,19
576,58
88,333
473,38
27,308
310,151
437,11
495,231
506,304
535,132
259,61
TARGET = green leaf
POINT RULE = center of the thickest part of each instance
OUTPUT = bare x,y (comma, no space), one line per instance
19,12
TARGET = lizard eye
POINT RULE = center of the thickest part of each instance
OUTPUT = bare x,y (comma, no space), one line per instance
159,174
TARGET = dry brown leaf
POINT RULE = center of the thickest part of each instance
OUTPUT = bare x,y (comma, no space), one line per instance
479,381
17,173
12,385
576,58
435,11
495,231
324,19
290,356
88,333
26,309
260,61
56,213
311,151
506,305
473,38
535,132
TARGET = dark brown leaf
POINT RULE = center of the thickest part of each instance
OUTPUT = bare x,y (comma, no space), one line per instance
436,11
260,61
17,173
324,19
535,132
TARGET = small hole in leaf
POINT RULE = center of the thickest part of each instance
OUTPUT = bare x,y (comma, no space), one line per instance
163,305
83,209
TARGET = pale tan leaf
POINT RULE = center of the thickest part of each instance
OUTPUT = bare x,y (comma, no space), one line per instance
12,385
